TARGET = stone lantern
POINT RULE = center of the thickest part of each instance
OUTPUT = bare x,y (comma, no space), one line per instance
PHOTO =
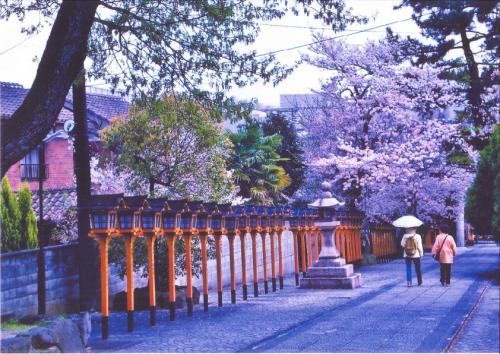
330,271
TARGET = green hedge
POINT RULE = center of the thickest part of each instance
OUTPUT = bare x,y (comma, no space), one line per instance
18,221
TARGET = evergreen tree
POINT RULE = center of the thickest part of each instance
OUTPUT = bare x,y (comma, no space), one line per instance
290,149
466,26
254,164
482,207
28,223
11,217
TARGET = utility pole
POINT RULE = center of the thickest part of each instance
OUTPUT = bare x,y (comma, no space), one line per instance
42,237
87,253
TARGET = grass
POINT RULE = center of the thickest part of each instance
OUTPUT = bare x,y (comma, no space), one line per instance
13,325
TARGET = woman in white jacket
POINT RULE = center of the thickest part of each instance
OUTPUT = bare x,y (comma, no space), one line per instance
413,250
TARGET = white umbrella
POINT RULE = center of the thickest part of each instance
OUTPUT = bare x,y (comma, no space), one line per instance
407,221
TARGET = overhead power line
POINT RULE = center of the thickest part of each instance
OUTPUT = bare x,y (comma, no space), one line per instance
332,38
321,28
17,45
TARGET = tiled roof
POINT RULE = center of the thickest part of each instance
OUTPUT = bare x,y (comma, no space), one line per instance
55,202
11,97
59,206
105,106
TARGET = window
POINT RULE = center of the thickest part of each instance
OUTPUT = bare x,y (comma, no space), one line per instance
32,158
31,166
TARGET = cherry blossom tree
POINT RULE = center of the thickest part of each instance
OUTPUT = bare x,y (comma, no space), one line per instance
387,137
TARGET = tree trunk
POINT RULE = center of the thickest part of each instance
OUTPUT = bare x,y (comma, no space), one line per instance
460,224
475,89
151,187
86,248
61,61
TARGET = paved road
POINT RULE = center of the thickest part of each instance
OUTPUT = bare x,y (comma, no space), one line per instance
382,316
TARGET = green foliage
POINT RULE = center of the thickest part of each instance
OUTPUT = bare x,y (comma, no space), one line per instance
11,218
290,150
175,144
482,207
460,159
29,227
179,147
254,163
158,46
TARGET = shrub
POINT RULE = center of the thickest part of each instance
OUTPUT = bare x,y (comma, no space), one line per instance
29,228
10,218
483,197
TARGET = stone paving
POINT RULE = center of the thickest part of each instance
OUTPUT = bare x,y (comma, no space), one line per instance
481,333
381,316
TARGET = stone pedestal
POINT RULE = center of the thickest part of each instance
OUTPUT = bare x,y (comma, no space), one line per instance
330,271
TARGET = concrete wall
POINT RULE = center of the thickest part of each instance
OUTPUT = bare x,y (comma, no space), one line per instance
288,262
19,281
19,275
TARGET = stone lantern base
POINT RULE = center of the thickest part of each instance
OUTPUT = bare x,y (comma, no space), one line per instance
331,273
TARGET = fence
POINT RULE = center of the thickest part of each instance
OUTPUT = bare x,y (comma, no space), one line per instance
348,242
287,249
384,243
429,238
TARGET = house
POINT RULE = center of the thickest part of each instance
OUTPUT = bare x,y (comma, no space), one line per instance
53,158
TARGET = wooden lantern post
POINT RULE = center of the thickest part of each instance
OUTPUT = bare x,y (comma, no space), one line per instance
316,243
204,221
309,234
254,230
218,231
295,229
264,224
232,229
188,229
170,224
102,227
302,233
151,228
272,230
243,225
280,229
103,241
129,228
312,225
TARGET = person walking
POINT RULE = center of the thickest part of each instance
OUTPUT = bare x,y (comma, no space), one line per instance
412,252
445,246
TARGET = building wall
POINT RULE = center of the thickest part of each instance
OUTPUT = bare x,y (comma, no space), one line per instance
59,160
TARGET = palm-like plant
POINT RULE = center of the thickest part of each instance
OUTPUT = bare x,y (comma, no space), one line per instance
254,163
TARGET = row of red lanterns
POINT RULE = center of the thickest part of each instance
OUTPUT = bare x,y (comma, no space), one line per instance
168,217
129,217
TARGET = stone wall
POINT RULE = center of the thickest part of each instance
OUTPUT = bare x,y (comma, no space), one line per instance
19,278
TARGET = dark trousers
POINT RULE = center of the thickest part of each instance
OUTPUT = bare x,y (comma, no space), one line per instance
416,261
445,273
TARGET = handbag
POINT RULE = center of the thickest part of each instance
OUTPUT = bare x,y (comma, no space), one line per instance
436,256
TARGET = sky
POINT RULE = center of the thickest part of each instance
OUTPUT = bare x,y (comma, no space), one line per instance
18,52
